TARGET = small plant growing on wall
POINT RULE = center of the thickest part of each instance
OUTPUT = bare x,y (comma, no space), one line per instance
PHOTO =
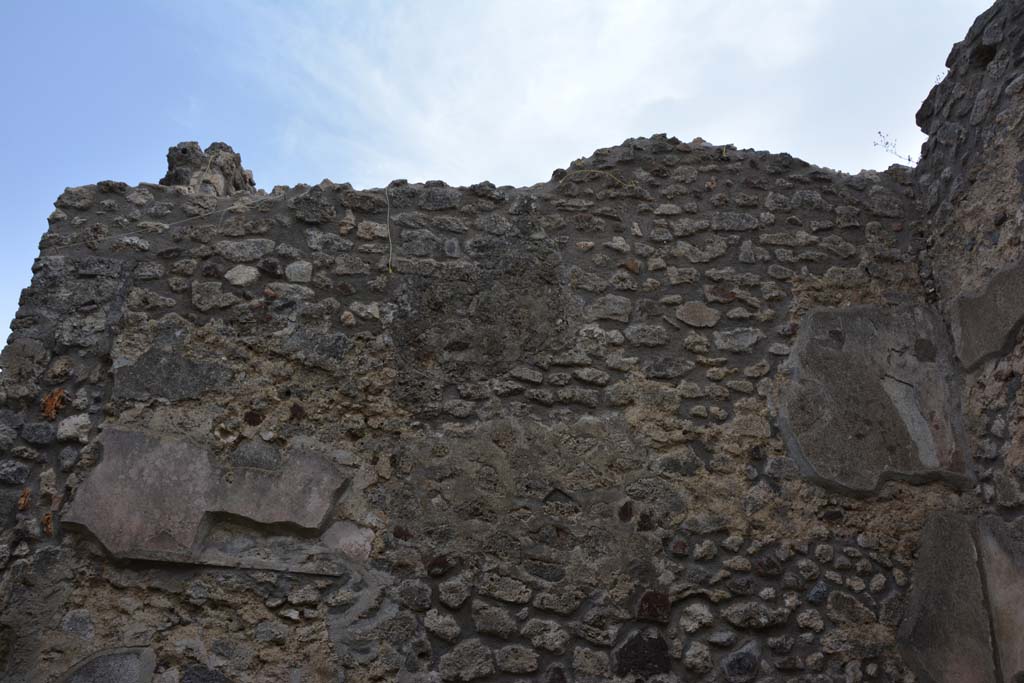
889,144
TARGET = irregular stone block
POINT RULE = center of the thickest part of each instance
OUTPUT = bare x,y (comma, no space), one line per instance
945,633
244,250
610,307
698,314
158,497
1002,560
13,472
174,376
467,661
241,276
644,653
982,323
165,370
742,665
128,665
872,396
313,206
739,340
216,171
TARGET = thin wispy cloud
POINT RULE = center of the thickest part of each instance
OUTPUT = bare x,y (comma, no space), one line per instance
501,90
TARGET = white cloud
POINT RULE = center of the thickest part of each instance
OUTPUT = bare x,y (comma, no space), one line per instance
508,91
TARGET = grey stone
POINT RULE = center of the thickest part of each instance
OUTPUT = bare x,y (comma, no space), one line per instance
722,638
546,635
80,198
68,458
138,299
256,453
39,433
504,588
289,291
8,437
349,264
733,222
982,322
327,242
242,251
78,622
468,660
216,171
644,653
945,632
517,659
131,502
698,314
439,198
22,361
712,249
368,230
697,657
13,473
754,615
444,626
74,428
610,307
742,665
270,632
454,592
740,340
167,371
420,243
313,206
844,608
207,296
414,594
590,664
695,617
242,275
493,620
1002,559
872,396
128,665
646,335
299,271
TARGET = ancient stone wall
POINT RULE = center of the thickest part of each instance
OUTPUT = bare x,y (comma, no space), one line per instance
682,413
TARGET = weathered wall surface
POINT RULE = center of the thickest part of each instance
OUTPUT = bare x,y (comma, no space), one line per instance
684,412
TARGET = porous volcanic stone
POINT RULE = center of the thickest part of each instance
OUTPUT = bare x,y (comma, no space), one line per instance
872,395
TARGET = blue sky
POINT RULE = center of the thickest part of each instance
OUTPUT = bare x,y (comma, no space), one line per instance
463,91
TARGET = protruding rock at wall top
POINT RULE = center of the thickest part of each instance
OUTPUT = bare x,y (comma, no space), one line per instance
216,171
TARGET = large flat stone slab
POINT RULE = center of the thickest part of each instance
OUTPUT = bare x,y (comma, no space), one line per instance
945,633
872,395
126,665
158,497
983,322
1002,559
